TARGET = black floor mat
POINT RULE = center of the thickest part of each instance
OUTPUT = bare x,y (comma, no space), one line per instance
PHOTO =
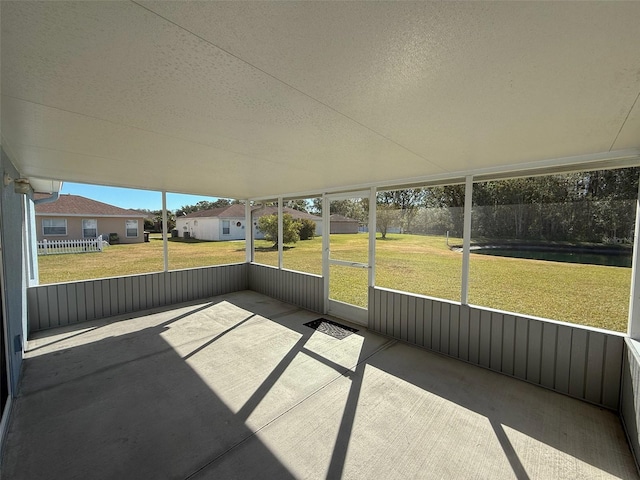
333,329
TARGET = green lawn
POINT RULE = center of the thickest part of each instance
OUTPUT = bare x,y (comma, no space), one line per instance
586,294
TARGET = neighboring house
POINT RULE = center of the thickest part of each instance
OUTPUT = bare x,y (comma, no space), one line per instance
341,224
229,223
222,223
73,217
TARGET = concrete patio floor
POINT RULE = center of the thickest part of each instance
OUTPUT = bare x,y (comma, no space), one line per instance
238,387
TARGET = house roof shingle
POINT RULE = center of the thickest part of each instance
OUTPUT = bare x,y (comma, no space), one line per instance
68,204
230,211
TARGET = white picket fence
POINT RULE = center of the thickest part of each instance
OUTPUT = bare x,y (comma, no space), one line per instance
56,247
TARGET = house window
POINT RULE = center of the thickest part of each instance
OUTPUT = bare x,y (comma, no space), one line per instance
226,227
54,226
132,228
89,228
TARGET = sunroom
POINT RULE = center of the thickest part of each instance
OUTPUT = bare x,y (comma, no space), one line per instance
397,351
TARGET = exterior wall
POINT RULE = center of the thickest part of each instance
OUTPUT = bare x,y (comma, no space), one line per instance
578,361
183,225
257,234
210,228
75,302
302,289
200,228
106,225
14,270
630,396
235,232
344,227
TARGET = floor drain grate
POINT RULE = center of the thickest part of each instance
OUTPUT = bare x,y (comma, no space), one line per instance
333,329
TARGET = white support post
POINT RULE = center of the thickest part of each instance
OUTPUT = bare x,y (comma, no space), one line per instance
248,232
633,329
165,240
466,239
372,236
280,233
326,231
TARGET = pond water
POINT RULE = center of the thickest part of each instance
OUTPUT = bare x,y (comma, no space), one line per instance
612,259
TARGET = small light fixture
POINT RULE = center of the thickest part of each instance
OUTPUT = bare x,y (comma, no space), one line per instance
20,185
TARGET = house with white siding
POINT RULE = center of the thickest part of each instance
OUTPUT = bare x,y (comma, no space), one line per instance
228,223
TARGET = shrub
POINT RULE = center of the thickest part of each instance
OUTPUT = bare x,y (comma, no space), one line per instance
307,229
268,224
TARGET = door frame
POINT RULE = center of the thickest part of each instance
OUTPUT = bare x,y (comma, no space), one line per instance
336,308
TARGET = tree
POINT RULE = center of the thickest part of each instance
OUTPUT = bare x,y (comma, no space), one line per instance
204,205
386,217
268,225
171,220
300,205
356,208
153,220
407,203
307,229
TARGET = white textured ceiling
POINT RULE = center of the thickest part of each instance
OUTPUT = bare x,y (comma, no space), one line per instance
248,100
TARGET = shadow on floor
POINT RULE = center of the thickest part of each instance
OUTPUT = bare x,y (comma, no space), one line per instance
142,398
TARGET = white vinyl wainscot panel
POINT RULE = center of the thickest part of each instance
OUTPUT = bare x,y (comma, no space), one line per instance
579,361
68,303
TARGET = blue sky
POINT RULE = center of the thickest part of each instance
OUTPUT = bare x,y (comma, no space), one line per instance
128,198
